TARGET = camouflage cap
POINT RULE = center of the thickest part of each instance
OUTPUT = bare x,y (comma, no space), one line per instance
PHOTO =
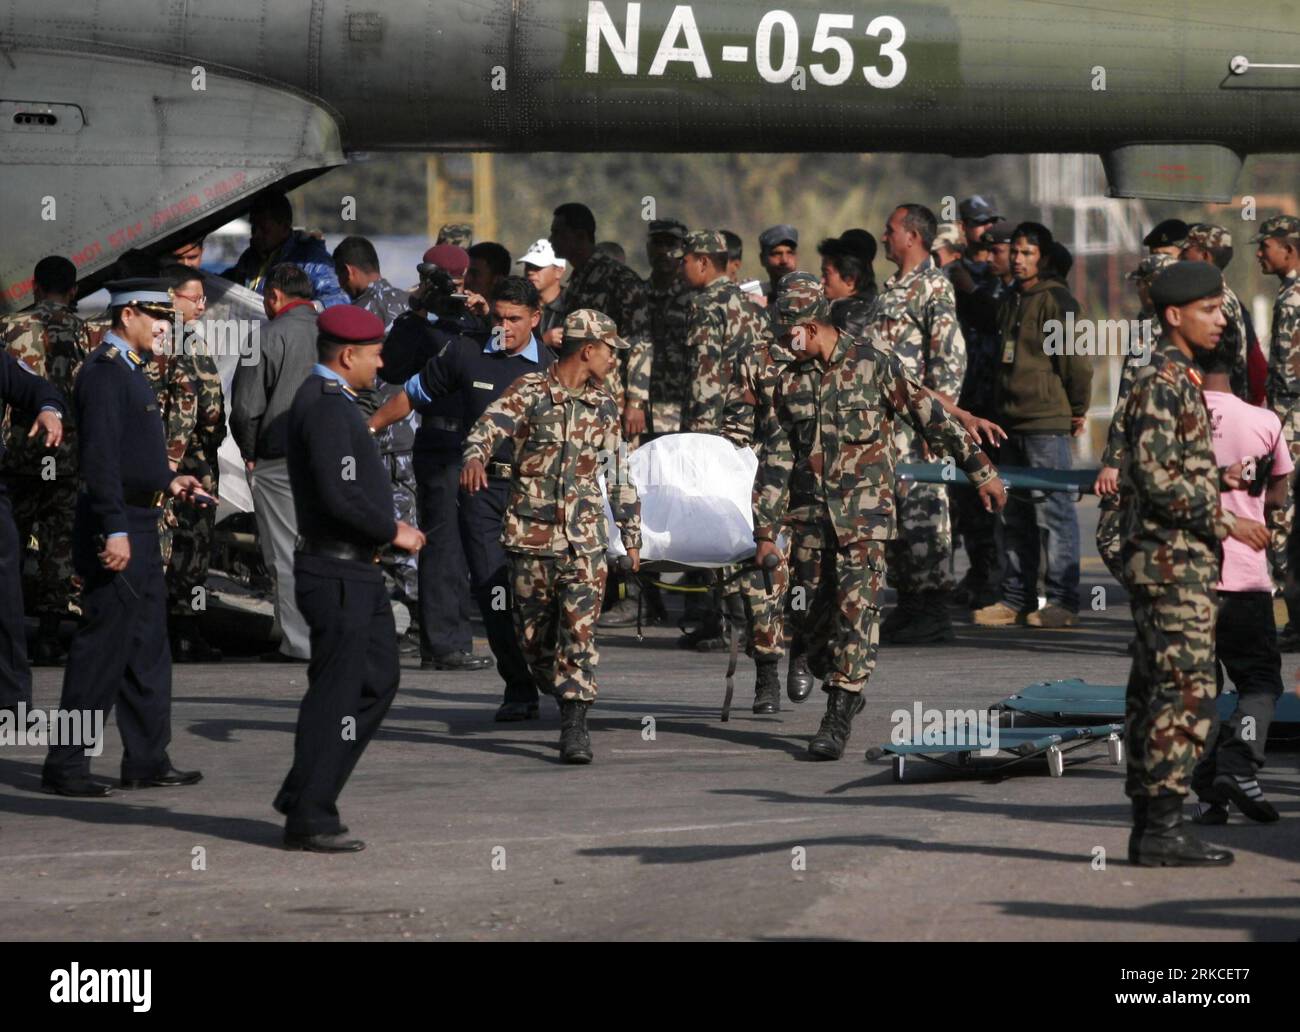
799,299
460,234
701,241
667,227
1283,227
589,324
1150,265
949,235
1207,235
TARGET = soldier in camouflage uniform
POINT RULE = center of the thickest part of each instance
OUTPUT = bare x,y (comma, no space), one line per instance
668,298
1209,243
829,475
53,342
720,335
1109,521
599,283
916,318
1279,255
1173,523
768,615
566,433
193,526
357,266
458,234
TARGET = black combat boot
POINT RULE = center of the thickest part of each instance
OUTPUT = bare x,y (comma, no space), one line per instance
907,608
47,650
767,685
1164,841
188,644
799,680
841,707
1139,826
575,742
930,623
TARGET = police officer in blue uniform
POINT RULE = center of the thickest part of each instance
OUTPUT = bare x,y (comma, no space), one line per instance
120,654
22,389
343,497
475,375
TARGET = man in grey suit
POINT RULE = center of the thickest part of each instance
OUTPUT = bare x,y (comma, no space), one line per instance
259,414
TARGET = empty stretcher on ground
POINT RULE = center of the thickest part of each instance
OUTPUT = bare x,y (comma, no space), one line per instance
1014,746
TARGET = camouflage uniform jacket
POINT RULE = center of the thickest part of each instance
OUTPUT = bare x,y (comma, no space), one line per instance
755,411
383,299
1172,519
611,287
670,313
196,364
1284,351
562,443
722,334
174,381
53,342
1113,456
833,459
916,318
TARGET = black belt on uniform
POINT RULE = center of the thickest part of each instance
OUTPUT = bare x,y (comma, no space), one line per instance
144,499
503,470
441,423
338,550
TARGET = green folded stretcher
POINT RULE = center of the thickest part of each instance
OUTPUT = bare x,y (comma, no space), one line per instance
1014,745
1074,701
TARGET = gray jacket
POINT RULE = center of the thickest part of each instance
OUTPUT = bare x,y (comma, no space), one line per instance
263,392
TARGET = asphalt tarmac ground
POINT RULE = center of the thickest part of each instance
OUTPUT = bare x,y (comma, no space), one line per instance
703,830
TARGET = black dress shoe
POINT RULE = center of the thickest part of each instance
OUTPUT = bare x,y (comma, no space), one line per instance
77,788
335,843
170,778
508,712
456,661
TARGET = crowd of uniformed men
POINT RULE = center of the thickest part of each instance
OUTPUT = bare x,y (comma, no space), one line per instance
481,406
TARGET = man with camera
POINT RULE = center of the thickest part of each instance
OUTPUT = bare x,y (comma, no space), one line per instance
438,316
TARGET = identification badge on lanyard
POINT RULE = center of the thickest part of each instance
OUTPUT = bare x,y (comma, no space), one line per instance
1009,351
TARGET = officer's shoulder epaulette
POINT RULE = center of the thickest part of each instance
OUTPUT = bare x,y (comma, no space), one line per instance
1172,371
330,386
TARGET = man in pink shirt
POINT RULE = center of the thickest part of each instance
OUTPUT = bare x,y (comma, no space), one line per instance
1244,630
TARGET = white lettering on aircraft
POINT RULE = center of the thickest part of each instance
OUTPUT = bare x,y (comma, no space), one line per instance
775,51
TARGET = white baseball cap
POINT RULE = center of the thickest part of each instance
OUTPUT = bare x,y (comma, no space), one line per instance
542,254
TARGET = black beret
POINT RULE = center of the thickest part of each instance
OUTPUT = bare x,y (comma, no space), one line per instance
1167,234
1185,282
999,234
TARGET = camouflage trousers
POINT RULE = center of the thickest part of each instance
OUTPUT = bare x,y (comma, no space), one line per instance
45,509
1110,539
190,554
1169,708
1282,520
841,626
766,614
557,604
920,557
401,569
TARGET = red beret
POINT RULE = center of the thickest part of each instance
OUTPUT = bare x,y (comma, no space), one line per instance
449,258
351,325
